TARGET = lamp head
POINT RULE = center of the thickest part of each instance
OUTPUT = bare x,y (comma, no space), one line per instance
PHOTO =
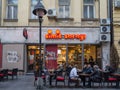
39,9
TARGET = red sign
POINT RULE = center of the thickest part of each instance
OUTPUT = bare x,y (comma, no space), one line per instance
51,56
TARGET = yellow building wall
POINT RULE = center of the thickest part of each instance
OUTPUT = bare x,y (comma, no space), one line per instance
76,12
116,28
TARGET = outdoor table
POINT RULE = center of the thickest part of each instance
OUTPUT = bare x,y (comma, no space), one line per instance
84,76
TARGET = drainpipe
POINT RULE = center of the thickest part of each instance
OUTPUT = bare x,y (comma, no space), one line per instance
110,15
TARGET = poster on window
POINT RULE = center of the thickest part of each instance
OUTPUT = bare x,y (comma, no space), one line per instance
12,56
98,52
31,57
51,56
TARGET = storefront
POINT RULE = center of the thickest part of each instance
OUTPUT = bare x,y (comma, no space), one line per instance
64,54
59,46
66,46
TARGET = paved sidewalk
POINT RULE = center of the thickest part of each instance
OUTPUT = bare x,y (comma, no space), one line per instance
25,82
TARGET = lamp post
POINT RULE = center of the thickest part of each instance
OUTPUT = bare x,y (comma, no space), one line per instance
40,11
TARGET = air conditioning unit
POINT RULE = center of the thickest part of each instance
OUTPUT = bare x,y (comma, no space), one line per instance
51,12
117,4
105,29
104,37
105,21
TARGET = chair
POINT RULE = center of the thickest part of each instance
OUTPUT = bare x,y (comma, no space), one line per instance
109,79
98,80
60,78
36,75
5,73
13,73
1,76
71,81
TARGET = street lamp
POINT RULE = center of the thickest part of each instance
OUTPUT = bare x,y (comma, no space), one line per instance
40,11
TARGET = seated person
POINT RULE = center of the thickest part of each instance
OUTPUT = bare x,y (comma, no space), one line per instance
89,69
68,69
109,69
96,75
84,68
74,75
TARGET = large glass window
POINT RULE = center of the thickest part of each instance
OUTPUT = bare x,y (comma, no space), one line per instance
88,9
64,8
12,9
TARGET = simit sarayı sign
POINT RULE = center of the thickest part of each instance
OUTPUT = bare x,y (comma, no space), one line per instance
58,35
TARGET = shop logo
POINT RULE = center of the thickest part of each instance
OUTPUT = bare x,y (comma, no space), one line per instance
58,35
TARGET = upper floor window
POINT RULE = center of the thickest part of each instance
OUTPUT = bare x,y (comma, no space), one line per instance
12,9
88,8
64,8
33,3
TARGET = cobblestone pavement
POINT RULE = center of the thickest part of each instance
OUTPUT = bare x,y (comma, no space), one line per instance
25,82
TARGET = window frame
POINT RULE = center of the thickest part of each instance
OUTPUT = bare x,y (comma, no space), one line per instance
13,14
88,10
65,7
32,16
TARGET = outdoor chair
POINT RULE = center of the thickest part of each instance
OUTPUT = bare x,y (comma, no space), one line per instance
107,78
98,80
5,73
13,73
70,81
1,76
60,78
43,76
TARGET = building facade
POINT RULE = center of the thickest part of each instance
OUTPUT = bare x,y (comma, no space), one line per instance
116,26
72,31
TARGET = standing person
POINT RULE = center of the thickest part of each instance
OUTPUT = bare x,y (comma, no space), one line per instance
91,61
74,75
